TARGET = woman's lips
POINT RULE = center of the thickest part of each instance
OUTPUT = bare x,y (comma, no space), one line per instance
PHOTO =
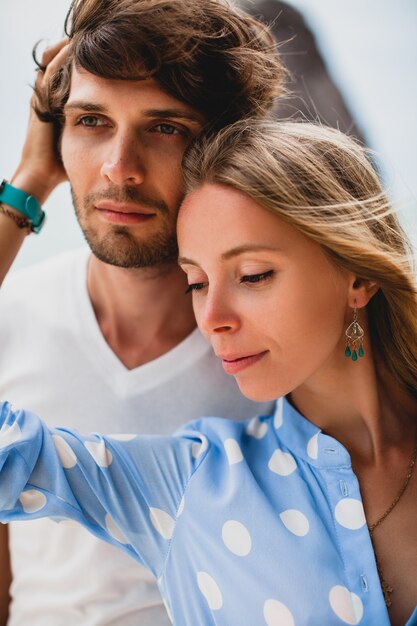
234,366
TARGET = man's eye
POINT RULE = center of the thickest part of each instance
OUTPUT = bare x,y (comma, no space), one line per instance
90,121
167,129
195,287
256,278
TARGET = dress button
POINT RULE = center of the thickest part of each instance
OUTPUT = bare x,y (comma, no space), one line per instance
343,488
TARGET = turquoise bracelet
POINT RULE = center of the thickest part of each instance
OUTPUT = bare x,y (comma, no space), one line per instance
24,203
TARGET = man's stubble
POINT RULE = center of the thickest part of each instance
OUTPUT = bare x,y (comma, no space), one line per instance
119,246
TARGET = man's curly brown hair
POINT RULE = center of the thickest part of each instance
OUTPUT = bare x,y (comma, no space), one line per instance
206,53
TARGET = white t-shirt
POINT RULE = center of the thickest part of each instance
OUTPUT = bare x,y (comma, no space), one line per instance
55,361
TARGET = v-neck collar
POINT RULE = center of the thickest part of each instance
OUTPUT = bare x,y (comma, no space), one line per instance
95,347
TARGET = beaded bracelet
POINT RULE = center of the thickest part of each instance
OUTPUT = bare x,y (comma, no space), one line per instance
21,221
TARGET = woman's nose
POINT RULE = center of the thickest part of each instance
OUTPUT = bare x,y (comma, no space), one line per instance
217,316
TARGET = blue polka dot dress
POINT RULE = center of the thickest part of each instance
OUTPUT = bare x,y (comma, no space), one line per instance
243,524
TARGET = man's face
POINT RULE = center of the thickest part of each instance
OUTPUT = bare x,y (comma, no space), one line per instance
122,146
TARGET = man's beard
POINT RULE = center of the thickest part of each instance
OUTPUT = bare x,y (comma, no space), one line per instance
119,247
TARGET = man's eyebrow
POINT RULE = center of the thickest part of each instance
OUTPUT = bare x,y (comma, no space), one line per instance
182,260
174,113
85,105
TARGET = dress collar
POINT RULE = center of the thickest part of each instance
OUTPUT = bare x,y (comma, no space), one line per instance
305,440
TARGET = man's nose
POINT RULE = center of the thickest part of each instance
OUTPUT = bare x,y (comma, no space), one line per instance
124,161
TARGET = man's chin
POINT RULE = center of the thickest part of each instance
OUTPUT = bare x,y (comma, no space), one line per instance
121,249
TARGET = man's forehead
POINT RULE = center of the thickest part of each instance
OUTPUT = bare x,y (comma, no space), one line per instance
89,89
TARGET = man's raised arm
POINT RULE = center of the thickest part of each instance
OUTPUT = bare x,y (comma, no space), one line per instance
38,173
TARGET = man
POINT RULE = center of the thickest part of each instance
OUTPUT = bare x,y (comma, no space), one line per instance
107,341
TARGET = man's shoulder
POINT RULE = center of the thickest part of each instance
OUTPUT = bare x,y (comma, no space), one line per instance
46,275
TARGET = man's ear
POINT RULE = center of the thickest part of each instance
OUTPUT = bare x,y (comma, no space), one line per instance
361,291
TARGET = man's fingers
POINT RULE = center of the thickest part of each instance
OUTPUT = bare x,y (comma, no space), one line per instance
51,51
57,61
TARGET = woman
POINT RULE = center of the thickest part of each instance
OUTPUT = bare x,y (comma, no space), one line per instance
302,282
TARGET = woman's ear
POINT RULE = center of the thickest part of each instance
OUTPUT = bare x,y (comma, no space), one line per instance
361,291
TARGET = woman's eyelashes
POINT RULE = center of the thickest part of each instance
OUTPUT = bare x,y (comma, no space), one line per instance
195,287
257,278
249,279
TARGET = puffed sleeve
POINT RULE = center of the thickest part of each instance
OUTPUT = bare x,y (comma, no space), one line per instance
126,490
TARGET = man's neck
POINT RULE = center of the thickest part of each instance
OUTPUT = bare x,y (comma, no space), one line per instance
142,313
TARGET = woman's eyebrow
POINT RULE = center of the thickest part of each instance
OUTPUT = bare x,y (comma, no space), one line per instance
251,247
182,260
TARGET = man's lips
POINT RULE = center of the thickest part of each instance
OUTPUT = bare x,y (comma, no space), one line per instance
233,364
124,213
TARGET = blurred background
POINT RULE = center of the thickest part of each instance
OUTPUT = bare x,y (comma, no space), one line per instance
353,66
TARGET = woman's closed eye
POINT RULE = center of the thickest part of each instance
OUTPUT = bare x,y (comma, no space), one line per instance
256,278
195,287
247,279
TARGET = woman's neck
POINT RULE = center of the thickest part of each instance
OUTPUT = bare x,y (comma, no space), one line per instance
361,405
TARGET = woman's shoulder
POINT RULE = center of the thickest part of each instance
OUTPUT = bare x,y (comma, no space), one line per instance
218,432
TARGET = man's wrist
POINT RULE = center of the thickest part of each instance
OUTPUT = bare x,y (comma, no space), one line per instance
33,185
21,221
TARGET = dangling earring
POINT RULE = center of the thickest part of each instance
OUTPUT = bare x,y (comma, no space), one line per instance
354,338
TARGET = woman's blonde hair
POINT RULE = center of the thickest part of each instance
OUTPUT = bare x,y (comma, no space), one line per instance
323,183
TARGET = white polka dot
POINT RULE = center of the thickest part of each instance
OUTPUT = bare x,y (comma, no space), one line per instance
114,531
347,605
210,590
163,522
181,507
350,514
282,463
236,538
32,500
99,452
296,522
278,417
9,434
256,428
233,451
199,447
313,447
65,452
277,614
122,437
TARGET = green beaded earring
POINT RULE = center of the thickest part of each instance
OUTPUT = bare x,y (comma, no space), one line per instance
354,338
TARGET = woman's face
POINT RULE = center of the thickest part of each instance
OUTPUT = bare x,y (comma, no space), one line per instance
269,300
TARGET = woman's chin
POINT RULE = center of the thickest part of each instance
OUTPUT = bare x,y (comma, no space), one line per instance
258,392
